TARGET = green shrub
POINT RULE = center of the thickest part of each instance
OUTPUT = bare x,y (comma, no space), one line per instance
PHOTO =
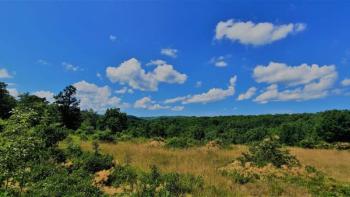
180,142
177,184
93,162
268,151
106,135
123,174
65,184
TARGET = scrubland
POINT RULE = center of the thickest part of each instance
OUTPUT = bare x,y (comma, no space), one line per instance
205,161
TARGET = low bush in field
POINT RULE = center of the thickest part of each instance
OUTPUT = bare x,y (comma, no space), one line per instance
123,175
180,142
267,162
106,136
269,151
63,183
136,183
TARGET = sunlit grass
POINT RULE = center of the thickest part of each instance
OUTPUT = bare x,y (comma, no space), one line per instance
205,162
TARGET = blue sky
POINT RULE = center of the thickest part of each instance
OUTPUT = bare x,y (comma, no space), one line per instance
181,58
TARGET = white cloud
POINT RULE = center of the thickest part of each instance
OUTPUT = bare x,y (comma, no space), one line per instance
130,72
148,103
70,67
177,108
247,95
13,92
112,38
311,81
198,84
293,75
169,52
219,61
167,73
45,94
214,94
156,62
4,74
250,33
124,90
346,82
97,98
176,99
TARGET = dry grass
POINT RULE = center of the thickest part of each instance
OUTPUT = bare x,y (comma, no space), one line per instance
205,162
333,162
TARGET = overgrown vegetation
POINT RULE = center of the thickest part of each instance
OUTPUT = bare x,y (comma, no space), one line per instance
33,164
268,162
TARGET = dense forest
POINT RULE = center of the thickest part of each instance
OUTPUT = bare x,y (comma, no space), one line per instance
31,128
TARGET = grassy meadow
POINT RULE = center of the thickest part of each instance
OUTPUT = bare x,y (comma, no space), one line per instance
204,161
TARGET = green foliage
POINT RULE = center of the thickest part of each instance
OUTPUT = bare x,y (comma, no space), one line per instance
180,142
123,174
62,183
7,102
335,126
115,120
269,151
172,184
68,107
50,134
93,162
105,135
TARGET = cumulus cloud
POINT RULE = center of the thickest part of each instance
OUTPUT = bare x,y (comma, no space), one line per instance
148,103
13,92
247,95
178,108
212,95
346,82
97,98
250,33
130,72
293,75
310,81
124,90
70,67
45,94
4,74
169,52
220,61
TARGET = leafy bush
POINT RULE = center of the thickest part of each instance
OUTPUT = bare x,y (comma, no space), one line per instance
94,162
62,183
177,184
106,135
123,174
269,151
180,142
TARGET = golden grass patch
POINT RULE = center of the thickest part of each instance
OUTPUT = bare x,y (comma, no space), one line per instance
205,162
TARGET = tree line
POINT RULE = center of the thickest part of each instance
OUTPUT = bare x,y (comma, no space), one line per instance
306,129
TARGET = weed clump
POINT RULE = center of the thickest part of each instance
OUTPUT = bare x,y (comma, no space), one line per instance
269,151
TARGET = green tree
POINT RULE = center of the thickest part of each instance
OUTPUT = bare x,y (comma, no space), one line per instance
68,107
7,102
115,120
335,126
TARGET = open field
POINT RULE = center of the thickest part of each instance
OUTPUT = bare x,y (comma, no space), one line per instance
205,162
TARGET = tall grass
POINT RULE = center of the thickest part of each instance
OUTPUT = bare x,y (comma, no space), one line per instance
205,162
